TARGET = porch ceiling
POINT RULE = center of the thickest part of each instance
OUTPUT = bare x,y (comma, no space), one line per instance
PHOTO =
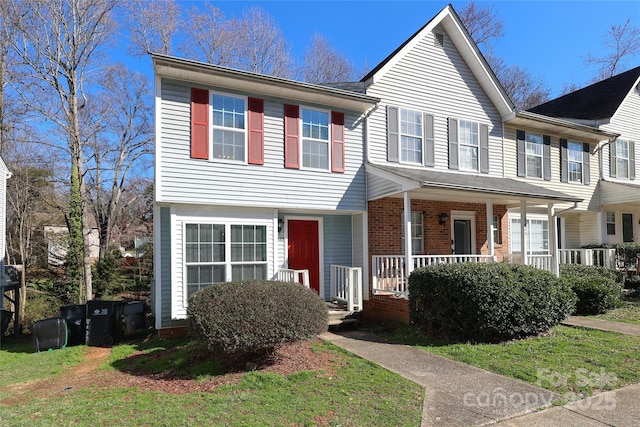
451,186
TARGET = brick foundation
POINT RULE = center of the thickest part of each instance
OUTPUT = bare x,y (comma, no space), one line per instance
175,332
386,309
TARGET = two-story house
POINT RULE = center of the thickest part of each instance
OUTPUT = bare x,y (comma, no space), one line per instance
253,174
612,105
451,164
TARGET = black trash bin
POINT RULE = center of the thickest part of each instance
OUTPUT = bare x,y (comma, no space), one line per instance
133,317
104,322
5,319
49,334
76,317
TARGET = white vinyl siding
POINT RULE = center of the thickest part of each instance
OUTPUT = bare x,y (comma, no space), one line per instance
185,180
438,81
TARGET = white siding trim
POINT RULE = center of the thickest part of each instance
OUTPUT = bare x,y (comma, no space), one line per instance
176,302
157,280
158,139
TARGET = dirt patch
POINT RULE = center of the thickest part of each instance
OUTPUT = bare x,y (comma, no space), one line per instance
286,360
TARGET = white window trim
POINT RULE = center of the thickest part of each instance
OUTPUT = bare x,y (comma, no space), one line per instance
461,144
400,135
607,222
245,130
618,158
413,238
530,217
302,138
569,161
526,157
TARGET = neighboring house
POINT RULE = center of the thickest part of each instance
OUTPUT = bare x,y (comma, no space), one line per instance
57,237
439,165
612,105
254,174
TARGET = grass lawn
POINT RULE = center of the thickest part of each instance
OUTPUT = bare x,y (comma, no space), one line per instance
628,313
571,361
355,393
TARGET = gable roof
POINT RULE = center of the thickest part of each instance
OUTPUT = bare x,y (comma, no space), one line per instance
467,48
598,101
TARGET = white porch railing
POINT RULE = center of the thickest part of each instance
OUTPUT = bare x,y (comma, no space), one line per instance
294,276
389,272
601,257
543,262
346,286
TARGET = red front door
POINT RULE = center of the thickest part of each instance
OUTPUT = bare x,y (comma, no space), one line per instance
304,249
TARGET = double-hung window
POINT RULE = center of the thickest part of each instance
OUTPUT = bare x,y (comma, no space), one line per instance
534,153
611,223
217,253
575,161
469,144
417,232
315,139
537,236
622,158
411,136
228,127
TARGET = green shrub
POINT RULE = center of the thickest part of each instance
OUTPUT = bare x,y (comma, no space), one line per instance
255,316
487,302
598,289
595,294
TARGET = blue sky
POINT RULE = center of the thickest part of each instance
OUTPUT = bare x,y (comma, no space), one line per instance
550,39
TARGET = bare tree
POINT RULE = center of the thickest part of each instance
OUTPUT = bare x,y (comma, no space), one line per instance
124,133
260,45
152,26
484,26
621,43
209,37
324,64
59,42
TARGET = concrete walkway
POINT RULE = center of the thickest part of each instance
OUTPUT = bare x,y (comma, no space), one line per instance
457,394
603,325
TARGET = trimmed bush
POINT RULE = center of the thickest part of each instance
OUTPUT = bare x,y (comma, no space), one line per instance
487,302
598,289
255,316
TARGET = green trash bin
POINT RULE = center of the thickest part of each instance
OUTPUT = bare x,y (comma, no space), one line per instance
76,317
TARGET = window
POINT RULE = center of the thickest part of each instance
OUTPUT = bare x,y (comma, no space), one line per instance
611,223
417,232
217,253
468,140
410,136
228,127
534,153
538,236
575,159
315,139
497,235
622,158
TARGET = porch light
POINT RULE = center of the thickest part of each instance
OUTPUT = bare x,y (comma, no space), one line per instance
443,218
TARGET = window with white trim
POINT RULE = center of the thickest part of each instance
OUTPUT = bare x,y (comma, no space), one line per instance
215,253
575,160
411,136
228,127
534,151
417,232
468,141
497,233
611,223
622,158
537,236
315,139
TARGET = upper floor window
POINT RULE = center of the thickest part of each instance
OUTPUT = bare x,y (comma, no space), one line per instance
622,161
410,136
228,139
315,139
469,144
575,161
534,155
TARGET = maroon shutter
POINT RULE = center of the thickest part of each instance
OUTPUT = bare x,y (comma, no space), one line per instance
256,131
199,123
291,137
337,141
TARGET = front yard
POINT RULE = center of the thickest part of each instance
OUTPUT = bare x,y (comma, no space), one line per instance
167,383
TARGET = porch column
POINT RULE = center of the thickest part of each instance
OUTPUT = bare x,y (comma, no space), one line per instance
523,232
490,241
408,261
553,240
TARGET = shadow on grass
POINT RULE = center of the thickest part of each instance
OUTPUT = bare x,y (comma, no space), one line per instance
395,333
17,344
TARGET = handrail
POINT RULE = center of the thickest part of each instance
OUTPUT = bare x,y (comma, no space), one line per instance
346,286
